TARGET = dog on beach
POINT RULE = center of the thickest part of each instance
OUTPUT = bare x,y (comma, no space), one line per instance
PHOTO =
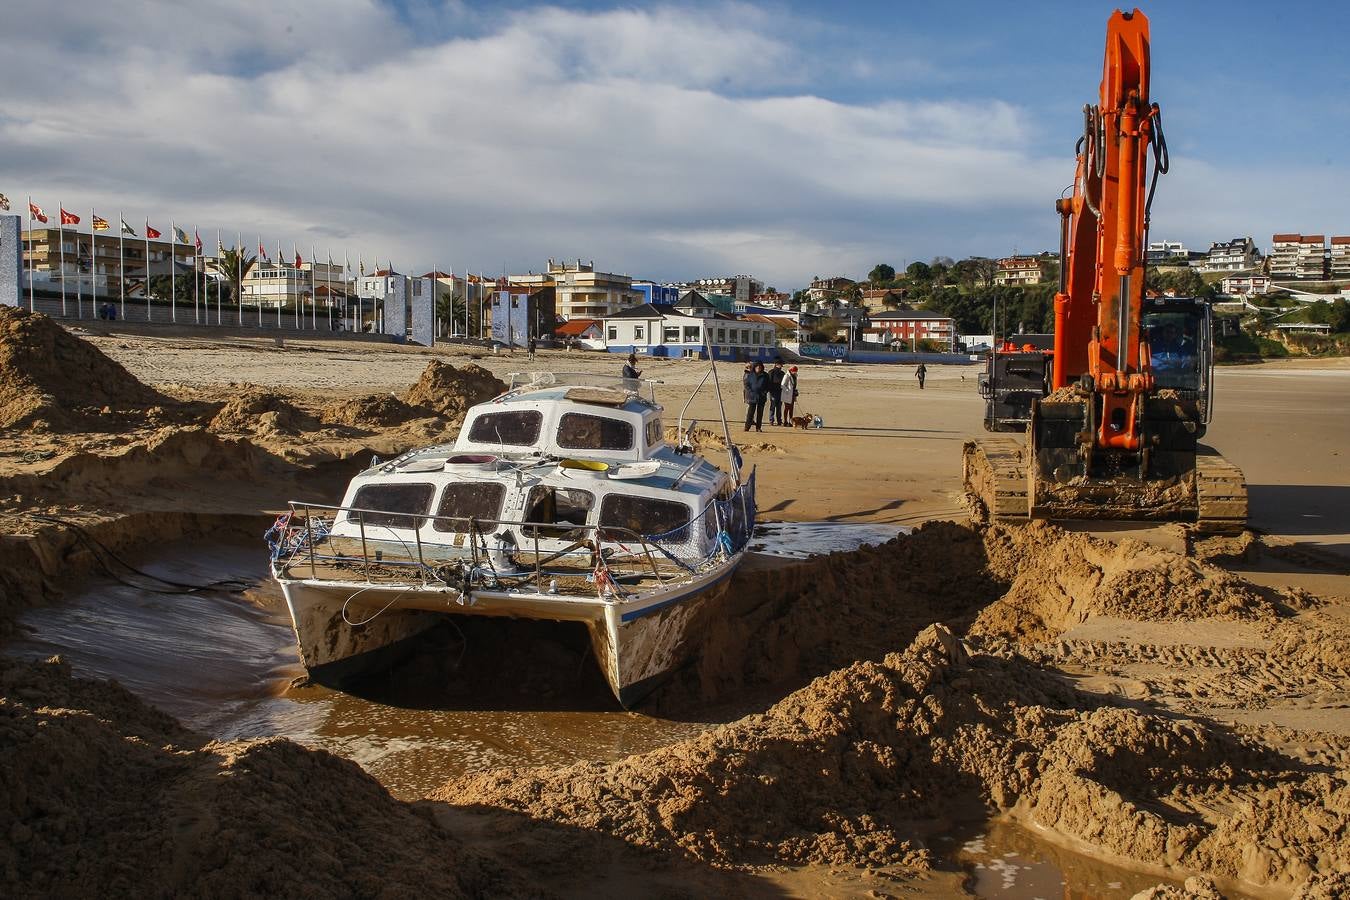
802,422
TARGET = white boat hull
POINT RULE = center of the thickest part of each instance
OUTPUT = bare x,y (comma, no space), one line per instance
343,628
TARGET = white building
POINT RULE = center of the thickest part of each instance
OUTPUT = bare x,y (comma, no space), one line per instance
1232,256
1245,285
687,330
1019,270
1167,253
1298,257
1340,256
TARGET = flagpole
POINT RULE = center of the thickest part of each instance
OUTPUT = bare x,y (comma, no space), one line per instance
122,262
79,285
196,303
313,292
61,236
146,286
32,295
220,252
93,265
173,271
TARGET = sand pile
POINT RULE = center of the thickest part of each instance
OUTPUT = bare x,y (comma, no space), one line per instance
786,624
370,411
50,377
866,765
254,411
450,391
1059,578
102,795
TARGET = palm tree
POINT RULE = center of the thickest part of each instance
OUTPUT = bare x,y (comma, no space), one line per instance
235,263
450,312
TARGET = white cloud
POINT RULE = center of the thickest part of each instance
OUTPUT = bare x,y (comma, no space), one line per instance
660,142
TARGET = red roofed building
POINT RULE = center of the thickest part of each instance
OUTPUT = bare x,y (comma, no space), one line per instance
589,333
1295,257
1340,256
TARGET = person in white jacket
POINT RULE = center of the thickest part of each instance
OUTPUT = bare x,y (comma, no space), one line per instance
790,394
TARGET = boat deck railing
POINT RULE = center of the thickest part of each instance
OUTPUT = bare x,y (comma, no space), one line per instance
529,381
388,548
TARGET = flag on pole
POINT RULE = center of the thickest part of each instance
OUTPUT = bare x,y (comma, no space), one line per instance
180,236
262,253
361,261
4,203
35,212
100,223
69,218
127,229
197,234
298,261
220,246
152,233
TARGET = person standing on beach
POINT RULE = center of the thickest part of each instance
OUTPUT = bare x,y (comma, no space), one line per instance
789,395
755,393
776,392
630,369
921,373
531,347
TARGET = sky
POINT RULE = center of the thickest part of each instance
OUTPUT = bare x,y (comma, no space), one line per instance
783,140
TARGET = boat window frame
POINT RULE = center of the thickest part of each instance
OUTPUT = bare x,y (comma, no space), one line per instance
556,529
364,513
647,520
440,517
656,432
497,439
573,415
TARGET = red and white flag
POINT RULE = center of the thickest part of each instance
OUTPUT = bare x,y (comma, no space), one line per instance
197,234
151,233
69,218
298,261
35,212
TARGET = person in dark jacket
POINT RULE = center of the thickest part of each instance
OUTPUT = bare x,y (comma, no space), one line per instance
921,373
776,392
630,369
755,393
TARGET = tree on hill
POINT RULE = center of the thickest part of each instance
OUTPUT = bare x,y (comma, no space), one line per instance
881,274
919,273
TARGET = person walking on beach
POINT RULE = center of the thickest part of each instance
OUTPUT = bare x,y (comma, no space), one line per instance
776,392
921,373
755,393
789,391
531,347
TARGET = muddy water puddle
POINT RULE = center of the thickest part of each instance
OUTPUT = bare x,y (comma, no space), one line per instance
222,662
481,694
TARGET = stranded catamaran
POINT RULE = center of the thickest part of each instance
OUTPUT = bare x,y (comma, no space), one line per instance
560,499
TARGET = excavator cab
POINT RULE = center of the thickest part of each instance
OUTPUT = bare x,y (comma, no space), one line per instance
1181,350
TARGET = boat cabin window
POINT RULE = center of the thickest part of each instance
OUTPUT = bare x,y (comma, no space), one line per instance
580,431
517,427
468,500
563,508
655,433
393,505
645,515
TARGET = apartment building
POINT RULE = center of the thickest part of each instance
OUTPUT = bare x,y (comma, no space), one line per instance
911,326
1245,285
823,289
1169,253
581,291
87,262
740,288
1232,256
1338,259
1298,257
1019,270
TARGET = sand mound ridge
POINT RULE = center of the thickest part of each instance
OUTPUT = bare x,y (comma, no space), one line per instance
1057,579
450,391
102,795
370,411
867,764
254,411
47,375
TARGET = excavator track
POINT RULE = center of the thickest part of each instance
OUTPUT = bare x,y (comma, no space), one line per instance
994,475
1221,492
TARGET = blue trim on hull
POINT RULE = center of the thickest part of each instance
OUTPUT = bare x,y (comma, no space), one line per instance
639,613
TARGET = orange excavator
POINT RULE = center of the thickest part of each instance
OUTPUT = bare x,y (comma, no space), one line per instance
1115,401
